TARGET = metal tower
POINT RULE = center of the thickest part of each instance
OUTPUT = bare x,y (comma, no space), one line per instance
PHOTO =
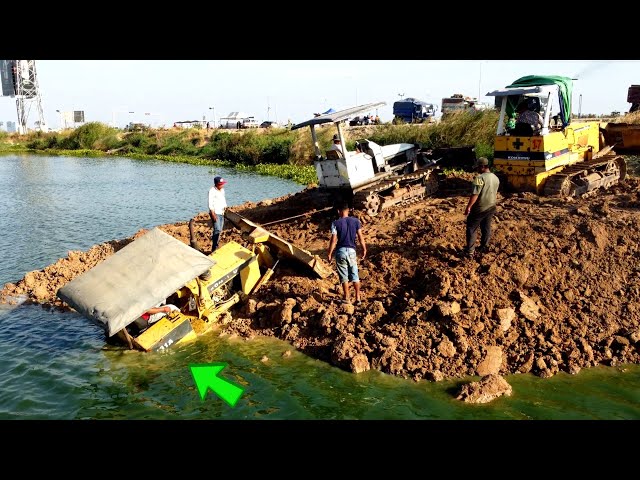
27,94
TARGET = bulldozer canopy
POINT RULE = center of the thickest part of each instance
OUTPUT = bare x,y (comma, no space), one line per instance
339,115
139,276
565,86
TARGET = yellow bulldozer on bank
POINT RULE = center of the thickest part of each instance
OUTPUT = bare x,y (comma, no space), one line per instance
562,158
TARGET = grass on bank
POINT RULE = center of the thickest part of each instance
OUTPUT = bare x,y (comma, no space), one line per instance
278,145
277,152
280,152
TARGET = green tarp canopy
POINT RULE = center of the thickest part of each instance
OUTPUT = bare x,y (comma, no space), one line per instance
565,87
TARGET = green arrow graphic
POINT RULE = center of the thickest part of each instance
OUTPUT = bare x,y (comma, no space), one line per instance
206,377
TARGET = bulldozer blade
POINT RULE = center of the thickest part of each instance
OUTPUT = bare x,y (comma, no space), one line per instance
193,241
265,278
282,247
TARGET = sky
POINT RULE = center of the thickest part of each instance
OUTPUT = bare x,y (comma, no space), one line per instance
165,91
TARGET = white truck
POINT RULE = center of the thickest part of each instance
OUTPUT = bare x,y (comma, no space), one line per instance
238,120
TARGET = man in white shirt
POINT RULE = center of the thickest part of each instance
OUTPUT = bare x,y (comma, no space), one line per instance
217,204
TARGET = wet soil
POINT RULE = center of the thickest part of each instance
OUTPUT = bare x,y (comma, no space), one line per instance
559,289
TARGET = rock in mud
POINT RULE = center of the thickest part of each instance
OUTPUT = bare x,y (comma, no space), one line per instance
505,316
491,362
360,363
529,308
40,293
435,376
284,315
250,307
446,309
446,348
487,389
345,349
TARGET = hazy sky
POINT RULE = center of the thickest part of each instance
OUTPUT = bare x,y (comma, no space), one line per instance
175,90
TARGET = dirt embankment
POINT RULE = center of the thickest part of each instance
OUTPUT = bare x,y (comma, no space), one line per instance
558,291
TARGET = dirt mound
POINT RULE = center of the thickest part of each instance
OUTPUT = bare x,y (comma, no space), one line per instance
558,290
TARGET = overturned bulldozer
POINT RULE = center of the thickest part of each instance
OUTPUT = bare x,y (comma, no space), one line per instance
158,269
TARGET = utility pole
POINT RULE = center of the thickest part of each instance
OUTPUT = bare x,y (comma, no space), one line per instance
580,107
479,80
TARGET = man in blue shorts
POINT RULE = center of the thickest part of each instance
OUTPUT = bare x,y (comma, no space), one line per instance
343,242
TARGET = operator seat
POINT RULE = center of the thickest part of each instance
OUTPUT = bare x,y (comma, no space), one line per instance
334,155
522,130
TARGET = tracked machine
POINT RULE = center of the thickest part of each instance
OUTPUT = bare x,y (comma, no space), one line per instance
563,158
373,177
157,268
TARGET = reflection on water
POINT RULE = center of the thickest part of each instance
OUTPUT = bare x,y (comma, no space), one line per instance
56,365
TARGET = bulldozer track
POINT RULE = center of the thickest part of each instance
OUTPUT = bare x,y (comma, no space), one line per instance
586,178
414,187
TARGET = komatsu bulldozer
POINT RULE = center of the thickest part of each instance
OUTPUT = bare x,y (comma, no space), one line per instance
158,269
373,177
564,158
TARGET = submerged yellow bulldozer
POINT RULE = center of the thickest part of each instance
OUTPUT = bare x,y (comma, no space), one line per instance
158,269
563,157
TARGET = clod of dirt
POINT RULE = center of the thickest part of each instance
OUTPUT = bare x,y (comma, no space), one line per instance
487,389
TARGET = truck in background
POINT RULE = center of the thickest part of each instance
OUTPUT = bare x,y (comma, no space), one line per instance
459,103
239,120
412,110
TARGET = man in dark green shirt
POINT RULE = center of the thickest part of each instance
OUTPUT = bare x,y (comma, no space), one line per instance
481,207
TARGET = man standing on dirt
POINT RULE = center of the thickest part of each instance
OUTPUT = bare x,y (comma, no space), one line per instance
343,241
217,204
481,207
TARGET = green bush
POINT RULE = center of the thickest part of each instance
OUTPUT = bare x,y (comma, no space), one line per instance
251,147
141,142
43,142
110,142
484,150
88,135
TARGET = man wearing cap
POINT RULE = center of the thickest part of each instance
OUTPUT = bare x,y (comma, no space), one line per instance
481,207
337,145
217,204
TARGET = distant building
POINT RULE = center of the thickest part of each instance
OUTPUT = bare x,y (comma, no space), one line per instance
11,127
189,124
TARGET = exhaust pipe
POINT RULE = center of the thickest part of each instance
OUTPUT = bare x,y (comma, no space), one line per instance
192,237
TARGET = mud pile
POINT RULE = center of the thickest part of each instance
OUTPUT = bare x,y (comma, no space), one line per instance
559,289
